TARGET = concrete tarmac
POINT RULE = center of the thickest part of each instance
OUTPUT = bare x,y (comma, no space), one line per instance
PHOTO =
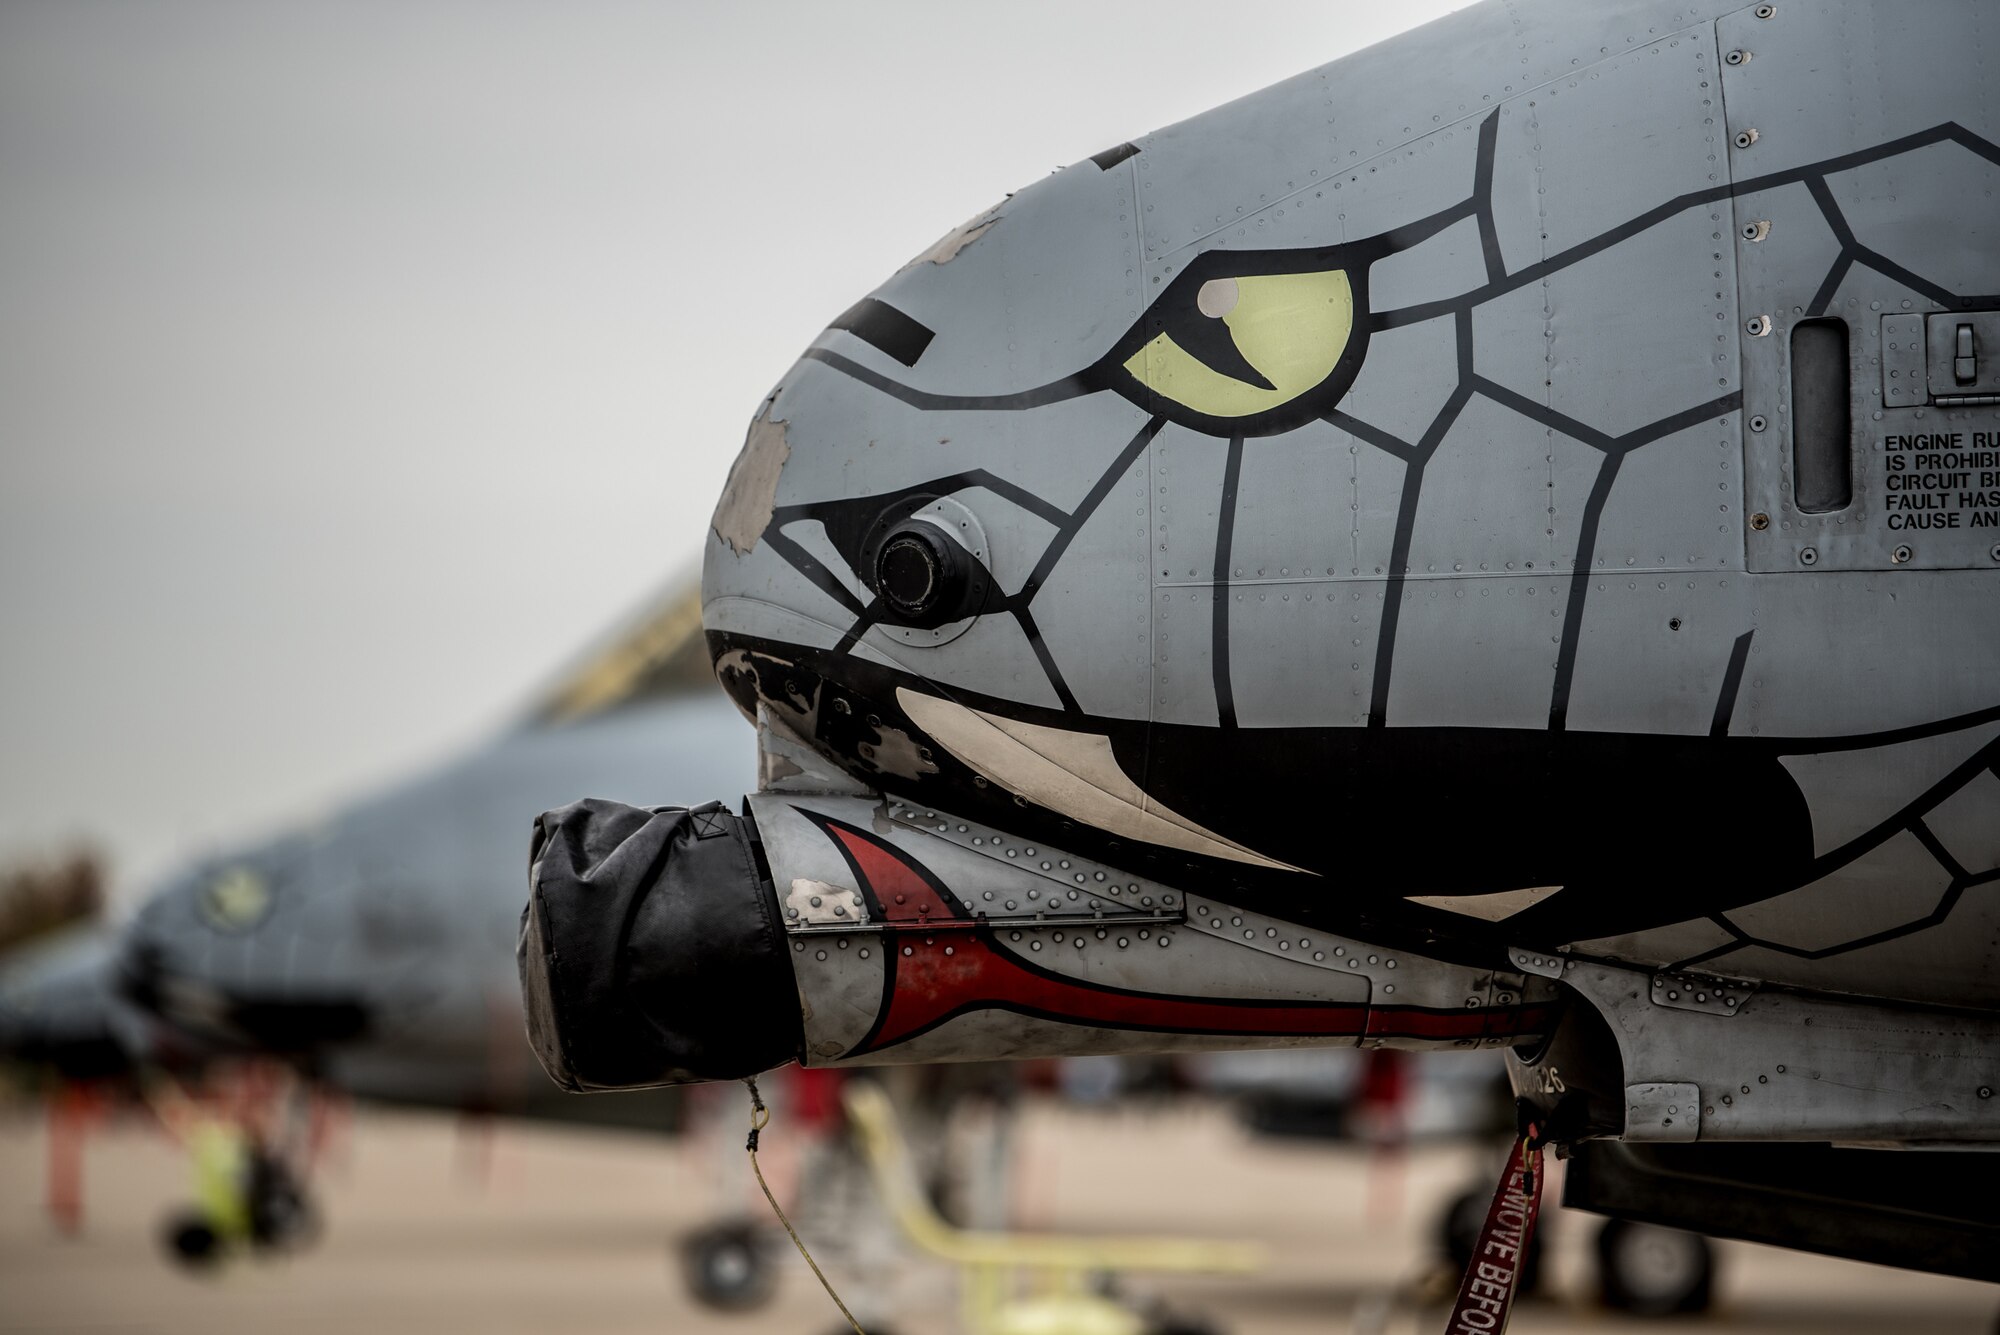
432,1225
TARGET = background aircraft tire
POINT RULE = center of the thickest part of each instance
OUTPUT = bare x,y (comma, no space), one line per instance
727,1268
1653,1271
1182,1324
284,1217
1458,1232
190,1242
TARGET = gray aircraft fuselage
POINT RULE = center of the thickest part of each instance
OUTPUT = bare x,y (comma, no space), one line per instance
1493,541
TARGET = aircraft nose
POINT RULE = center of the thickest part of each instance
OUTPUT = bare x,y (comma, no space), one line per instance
194,957
650,949
56,1007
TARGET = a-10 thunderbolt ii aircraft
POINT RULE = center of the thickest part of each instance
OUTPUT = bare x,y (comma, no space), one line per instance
1494,541
376,946
374,950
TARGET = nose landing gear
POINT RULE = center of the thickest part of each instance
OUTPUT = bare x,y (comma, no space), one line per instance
250,1196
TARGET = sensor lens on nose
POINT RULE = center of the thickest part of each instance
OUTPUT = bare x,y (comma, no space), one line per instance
919,570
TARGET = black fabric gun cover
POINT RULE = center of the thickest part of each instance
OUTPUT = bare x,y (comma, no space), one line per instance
651,951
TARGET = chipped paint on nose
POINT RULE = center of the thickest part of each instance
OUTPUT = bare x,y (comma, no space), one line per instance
751,492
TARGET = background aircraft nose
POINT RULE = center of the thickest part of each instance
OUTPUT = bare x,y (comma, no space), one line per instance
195,957
57,1007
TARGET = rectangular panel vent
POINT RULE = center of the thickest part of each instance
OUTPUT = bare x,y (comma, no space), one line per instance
1822,466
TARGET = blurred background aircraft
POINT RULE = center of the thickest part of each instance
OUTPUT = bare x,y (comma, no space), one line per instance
312,316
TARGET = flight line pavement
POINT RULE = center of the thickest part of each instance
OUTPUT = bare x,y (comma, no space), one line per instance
437,1224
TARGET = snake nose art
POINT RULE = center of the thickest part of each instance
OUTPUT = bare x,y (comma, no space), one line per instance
1410,557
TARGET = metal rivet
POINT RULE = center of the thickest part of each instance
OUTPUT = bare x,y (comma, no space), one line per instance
1986,1091
1758,423
1901,555
1808,557
1746,138
1756,231
1765,11
1757,326
1737,57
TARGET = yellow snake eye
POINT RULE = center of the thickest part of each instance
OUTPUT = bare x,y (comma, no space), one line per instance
1245,351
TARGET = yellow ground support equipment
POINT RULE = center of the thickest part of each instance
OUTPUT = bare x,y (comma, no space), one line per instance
1025,1283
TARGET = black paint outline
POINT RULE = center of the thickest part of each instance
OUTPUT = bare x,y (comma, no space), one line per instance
1225,530
1732,682
1909,819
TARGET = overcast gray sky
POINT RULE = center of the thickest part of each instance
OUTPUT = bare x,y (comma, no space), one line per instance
360,361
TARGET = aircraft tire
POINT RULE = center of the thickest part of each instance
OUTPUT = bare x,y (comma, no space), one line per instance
1181,1323
190,1242
284,1218
1653,1271
727,1267
1458,1234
